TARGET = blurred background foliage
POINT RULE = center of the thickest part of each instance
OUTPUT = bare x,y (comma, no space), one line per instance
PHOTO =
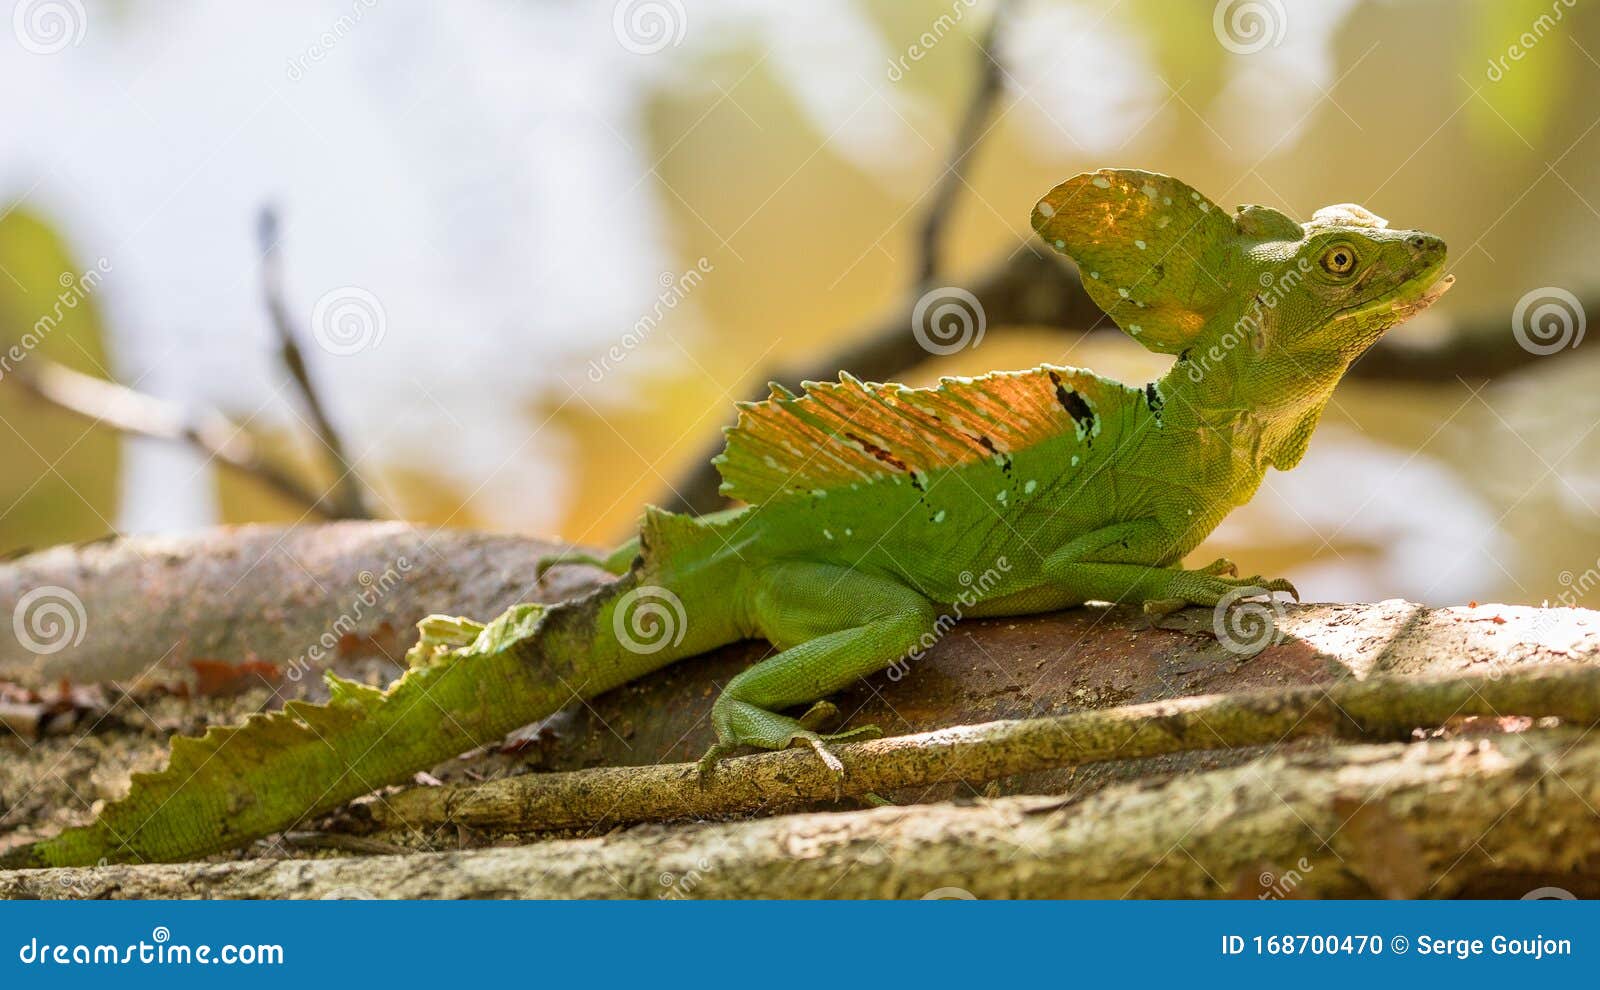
520,190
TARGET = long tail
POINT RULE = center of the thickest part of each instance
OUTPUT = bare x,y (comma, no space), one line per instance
469,684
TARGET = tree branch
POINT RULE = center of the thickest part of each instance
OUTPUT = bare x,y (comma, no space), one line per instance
1444,818
350,493
970,132
209,432
609,796
1033,288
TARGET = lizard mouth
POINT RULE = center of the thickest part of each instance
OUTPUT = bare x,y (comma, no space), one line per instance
1405,309
1423,291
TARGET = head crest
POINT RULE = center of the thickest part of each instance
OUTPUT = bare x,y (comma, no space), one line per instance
1154,253
1346,215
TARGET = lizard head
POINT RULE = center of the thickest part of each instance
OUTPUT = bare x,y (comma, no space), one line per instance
1361,278
1181,275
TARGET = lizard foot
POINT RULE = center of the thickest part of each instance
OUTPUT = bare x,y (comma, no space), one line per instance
1221,566
1202,588
743,724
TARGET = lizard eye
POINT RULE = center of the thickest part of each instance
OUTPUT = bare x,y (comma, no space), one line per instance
1339,259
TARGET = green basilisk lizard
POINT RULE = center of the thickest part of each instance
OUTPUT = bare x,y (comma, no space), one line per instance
865,506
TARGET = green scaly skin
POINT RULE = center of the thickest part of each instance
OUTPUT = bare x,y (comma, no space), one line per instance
875,513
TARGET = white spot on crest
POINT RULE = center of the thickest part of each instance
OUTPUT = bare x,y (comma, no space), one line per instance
1094,274
828,533
1123,293
1000,496
1102,182
1074,460
1135,329
1060,243
938,517
1028,488
1161,223
1166,200
1148,190
1139,244
1046,210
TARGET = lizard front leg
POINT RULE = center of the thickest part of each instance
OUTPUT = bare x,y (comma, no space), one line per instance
833,626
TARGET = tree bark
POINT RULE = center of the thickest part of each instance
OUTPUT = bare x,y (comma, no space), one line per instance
149,605
979,753
1466,817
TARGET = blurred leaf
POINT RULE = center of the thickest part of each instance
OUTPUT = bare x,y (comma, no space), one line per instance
1520,54
60,477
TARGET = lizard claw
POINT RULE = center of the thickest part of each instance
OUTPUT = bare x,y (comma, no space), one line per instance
1270,586
707,767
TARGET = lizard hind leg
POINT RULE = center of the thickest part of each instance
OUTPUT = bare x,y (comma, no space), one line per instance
832,626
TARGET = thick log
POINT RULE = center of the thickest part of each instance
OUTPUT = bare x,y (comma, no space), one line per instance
121,609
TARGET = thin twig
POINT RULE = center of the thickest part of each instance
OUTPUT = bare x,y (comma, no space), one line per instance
775,781
135,413
971,131
339,842
349,492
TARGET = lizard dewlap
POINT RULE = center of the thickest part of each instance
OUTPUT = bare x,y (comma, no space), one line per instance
868,509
